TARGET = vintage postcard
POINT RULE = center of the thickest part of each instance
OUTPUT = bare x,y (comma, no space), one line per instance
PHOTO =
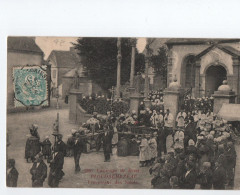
130,113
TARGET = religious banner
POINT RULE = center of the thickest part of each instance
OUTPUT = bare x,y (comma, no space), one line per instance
30,86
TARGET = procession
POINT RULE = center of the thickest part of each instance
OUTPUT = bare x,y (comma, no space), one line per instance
163,129
202,150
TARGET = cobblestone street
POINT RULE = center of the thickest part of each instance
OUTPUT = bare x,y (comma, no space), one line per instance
91,164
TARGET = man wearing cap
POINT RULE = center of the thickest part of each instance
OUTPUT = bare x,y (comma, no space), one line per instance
38,171
12,173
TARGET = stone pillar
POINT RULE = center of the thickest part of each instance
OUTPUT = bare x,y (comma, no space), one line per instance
135,100
169,66
197,79
74,95
119,59
147,58
147,102
224,94
171,98
133,43
236,78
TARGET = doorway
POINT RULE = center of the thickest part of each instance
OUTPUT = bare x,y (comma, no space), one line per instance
214,78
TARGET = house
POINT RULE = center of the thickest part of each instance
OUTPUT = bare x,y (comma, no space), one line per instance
203,64
21,51
61,63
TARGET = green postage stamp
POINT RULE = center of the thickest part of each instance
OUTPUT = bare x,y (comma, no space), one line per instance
30,86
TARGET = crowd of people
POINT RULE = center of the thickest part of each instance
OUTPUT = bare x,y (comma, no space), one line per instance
201,147
203,103
202,153
102,104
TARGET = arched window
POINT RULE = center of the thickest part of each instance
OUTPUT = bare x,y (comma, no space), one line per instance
190,66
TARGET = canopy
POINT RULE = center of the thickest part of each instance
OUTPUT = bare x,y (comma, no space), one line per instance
230,112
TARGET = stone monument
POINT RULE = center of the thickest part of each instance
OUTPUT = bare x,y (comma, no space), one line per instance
171,98
224,94
74,95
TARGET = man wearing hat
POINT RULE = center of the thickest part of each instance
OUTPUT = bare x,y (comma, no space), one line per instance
38,171
231,156
107,143
61,145
12,173
70,142
78,147
219,176
189,179
56,166
205,176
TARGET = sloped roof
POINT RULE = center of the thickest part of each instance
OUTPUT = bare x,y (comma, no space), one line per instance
196,41
72,73
230,50
66,59
27,44
227,49
230,112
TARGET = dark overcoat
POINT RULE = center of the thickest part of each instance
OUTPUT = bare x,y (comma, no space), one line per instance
107,143
39,174
12,177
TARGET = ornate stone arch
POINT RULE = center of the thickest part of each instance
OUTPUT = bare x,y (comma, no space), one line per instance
219,76
215,64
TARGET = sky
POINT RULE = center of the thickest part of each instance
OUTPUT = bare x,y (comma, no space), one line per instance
47,44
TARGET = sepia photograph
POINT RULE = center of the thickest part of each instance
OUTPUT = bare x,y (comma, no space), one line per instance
123,112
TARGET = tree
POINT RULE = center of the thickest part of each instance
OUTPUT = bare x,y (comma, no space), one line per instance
100,60
159,62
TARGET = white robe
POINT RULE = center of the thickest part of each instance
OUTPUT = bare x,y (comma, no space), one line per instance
181,119
144,150
153,147
168,119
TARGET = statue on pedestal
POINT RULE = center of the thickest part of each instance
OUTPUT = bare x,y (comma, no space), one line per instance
138,83
76,80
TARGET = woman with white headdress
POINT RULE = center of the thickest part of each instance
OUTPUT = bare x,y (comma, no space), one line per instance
144,151
153,147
